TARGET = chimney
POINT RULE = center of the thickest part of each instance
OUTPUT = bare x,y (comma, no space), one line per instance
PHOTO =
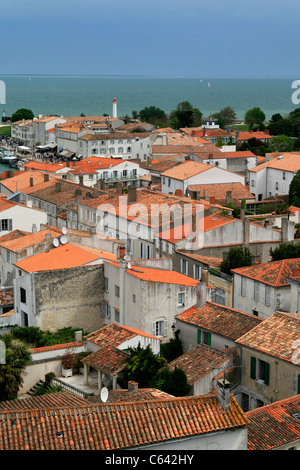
223,387
132,386
111,194
81,179
78,194
57,186
121,252
246,231
228,197
131,194
201,294
34,228
284,229
212,200
178,192
78,336
46,177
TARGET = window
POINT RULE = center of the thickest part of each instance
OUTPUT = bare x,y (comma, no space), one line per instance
220,296
267,296
106,284
283,175
203,337
256,291
169,182
160,328
184,267
243,286
8,256
181,299
245,402
105,309
6,224
197,272
117,291
276,185
24,318
260,370
252,183
117,315
133,298
23,295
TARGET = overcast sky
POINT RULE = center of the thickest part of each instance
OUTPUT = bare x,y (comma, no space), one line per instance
222,38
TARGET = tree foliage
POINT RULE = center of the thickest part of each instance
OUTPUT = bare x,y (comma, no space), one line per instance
173,348
17,357
286,250
281,143
237,257
143,365
254,116
172,382
22,113
152,114
225,117
185,116
294,190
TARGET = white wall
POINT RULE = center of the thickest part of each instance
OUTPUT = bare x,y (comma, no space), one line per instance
23,218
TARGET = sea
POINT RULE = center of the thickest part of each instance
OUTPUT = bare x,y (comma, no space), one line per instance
93,95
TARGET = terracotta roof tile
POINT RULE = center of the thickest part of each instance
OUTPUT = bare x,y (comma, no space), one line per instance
211,261
274,425
200,361
219,190
31,239
288,161
274,273
46,401
221,320
63,257
274,336
111,426
186,170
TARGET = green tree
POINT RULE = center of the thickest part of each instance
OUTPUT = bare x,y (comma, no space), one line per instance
237,257
22,113
173,348
281,143
143,365
286,250
151,114
185,116
225,117
17,357
172,382
294,190
254,116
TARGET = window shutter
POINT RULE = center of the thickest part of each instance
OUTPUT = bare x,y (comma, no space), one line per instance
153,328
166,328
253,368
267,368
102,307
267,297
9,224
198,336
208,339
298,385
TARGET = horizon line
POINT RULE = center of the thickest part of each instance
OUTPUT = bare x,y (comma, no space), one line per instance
143,76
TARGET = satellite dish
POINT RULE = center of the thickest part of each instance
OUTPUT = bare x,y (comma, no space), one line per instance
63,239
127,258
104,394
55,242
64,230
128,265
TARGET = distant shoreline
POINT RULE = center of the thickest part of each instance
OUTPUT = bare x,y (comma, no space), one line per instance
28,75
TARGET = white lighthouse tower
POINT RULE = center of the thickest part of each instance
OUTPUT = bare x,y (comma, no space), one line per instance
114,115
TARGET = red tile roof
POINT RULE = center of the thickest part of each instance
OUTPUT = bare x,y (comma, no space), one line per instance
273,273
124,395
212,261
288,161
63,257
275,336
186,170
221,320
51,400
31,239
219,190
112,426
201,361
275,425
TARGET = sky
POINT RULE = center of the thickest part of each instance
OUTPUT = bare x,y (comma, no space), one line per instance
232,38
